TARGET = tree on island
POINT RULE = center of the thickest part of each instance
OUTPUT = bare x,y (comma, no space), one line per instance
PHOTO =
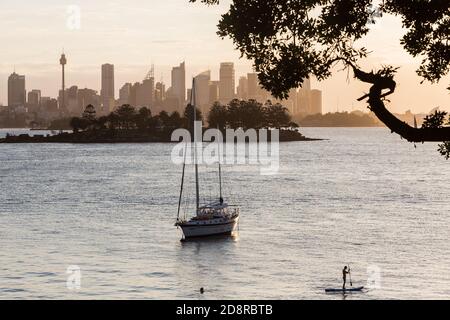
249,114
291,40
86,121
236,114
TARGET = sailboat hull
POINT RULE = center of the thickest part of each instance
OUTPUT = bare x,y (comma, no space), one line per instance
199,229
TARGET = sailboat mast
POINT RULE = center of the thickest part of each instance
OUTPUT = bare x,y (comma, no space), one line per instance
182,183
220,181
220,168
197,187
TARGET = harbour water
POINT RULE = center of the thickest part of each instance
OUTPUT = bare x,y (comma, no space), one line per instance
363,197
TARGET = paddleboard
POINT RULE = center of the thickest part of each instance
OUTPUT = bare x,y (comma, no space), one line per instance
358,289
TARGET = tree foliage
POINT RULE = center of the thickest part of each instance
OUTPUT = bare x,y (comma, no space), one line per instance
127,118
249,115
438,120
291,40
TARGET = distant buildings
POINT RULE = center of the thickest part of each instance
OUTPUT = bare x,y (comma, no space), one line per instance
107,91
253,87
304,99
242,89
160,92
16,90
77,100
214,87
316,102
301,101
124,94
87,97
226,82
202,86
145,93
309,101
73,100
178,89
34,100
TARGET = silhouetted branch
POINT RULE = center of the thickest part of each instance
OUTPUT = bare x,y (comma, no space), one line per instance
384,80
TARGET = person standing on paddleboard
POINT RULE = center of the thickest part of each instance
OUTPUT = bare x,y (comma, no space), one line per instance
345,271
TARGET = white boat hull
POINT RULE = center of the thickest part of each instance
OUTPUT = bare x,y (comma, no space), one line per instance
209,228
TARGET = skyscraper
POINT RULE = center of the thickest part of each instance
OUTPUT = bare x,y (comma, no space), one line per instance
16,90
304,101
308,101
107,92
307,84
72,101
292,101
242,89
179,84
227,82
34,98
316,101
88,97
63,62
202,91
252,86
213,92
145,93
160,92
124,94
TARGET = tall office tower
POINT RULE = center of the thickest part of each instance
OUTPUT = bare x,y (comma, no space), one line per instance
124,94
202,91
242,89
34,99
252,86
49,105
87,97
213,92
304,98
227,82
306,84
292,101
107,92
304,101
72,100
145,93
44,101
160,92
189,94
16,90
179,85
132,100
316,101
63,62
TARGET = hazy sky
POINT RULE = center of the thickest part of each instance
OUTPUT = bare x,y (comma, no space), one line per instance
132,34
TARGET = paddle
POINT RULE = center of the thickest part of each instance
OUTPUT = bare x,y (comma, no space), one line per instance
350,274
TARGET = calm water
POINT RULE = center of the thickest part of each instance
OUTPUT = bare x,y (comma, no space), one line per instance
364,197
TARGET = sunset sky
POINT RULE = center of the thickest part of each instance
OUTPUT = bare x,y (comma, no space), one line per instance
132,34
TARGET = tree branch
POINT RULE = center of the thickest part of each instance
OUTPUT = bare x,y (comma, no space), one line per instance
384,80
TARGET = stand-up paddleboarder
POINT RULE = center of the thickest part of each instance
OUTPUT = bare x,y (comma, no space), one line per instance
345,271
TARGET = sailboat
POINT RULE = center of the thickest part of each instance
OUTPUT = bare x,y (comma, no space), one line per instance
210,219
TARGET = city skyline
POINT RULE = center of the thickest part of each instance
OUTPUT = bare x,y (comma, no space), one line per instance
72,100
165,38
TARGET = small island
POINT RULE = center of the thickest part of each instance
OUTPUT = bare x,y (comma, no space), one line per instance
129,124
